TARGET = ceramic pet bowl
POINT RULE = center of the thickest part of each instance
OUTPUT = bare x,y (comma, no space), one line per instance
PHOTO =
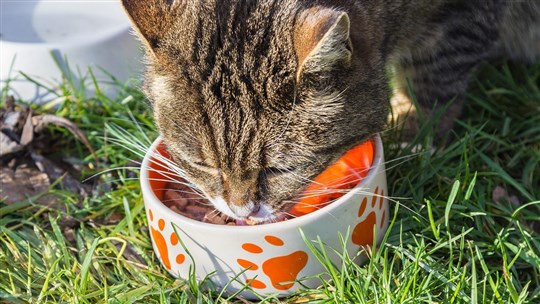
90,33
269,258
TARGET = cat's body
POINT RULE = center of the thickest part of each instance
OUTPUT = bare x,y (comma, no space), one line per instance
255,98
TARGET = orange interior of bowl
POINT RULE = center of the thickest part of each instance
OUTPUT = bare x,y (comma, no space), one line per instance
332,183
159,173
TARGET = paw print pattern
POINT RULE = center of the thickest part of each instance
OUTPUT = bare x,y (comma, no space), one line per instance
282,271
161,242
362,234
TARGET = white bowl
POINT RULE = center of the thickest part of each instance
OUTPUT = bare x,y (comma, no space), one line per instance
279,258
92,34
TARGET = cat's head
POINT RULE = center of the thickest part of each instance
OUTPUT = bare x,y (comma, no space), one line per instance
256,98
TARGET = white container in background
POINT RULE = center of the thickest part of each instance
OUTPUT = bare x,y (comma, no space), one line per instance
90,33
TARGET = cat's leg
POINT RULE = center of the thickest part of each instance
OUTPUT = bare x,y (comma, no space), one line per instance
439,69
438,88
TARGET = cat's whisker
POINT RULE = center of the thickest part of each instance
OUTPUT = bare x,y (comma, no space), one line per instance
108,171
213,212
129,142
317,206
190,191
168,201
310,194
289,215
169,171
157,157
395,200
192,188
167,174
345,191
132,147
171,181
346,181
151,179
123,135
162,172
336,183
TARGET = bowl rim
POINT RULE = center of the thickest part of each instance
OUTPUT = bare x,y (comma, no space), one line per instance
293,223
95,38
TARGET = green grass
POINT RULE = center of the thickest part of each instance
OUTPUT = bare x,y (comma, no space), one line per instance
448,242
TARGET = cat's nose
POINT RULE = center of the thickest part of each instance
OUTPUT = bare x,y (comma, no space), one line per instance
255,210
240,193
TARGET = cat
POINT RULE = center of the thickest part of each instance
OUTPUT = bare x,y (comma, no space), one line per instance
255,98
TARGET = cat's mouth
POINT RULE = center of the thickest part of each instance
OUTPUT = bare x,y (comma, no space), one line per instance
248,215
254,220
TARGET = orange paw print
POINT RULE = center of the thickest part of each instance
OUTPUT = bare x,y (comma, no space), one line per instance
362,234
162,244
281,270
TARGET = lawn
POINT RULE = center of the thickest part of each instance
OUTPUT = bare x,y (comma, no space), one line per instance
466,226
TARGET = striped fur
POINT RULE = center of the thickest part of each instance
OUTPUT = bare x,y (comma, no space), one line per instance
255,98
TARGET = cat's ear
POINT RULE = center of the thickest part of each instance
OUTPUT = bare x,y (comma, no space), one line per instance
321,40
152,18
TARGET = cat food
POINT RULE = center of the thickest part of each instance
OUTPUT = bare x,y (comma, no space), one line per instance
330,185
185,201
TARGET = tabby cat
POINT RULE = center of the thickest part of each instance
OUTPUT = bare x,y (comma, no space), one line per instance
254,98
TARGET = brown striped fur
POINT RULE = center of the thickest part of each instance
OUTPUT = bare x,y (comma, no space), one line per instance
254,98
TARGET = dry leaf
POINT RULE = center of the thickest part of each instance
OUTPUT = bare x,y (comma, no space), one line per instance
41,121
